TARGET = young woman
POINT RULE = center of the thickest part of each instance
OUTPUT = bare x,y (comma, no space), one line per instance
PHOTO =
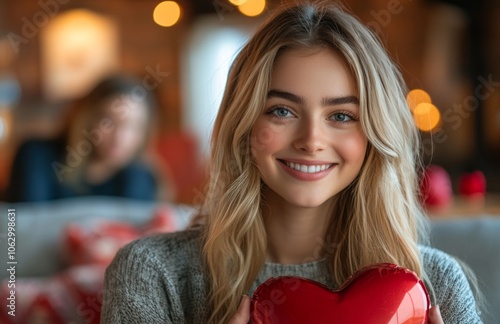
313,162
99,152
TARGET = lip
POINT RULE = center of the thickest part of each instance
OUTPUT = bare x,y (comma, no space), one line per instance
306,176
307,162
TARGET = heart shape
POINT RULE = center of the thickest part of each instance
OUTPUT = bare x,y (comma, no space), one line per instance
381,293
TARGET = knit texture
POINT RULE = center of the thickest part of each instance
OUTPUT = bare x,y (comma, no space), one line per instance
159,279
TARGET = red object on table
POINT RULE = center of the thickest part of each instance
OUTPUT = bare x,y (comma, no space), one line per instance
382,293
436,187
472,184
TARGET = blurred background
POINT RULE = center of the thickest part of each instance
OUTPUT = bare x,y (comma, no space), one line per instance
106,109
53,52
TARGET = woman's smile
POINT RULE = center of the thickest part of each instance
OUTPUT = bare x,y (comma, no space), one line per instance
306,170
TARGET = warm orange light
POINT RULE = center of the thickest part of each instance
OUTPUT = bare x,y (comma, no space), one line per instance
238,2
167,13
427,116
78,47
3,129
252,8
416,97
5,123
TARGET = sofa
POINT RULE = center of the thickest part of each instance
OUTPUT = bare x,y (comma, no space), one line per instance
39,226
40,252
475,241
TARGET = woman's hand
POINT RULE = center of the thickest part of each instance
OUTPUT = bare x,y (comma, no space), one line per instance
242,315
434,315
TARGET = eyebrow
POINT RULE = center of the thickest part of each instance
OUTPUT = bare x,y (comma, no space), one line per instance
330,101
340,101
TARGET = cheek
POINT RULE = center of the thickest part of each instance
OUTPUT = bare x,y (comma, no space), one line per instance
352,148
130,139
266,139
129,134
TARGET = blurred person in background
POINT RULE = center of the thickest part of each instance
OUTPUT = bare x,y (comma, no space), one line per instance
100,152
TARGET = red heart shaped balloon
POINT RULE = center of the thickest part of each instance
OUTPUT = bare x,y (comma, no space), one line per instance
381,293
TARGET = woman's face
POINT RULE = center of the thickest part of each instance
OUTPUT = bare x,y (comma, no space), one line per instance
308,142
123,126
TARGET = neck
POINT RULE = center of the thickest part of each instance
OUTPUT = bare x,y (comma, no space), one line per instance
295,234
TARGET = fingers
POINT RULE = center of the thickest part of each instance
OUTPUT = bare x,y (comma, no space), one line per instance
242,315
435,315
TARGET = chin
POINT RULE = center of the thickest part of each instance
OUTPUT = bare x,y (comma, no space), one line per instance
308,202
300,197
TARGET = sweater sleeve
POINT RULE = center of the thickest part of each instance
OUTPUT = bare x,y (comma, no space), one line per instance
135,289
452,290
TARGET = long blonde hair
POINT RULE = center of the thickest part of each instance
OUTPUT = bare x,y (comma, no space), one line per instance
376,219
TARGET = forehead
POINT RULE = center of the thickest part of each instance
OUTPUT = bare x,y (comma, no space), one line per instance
124,106
320,69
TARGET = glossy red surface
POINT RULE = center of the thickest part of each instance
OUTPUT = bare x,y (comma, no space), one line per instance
382,293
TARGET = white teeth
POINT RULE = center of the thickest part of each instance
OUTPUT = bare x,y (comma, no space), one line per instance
308,168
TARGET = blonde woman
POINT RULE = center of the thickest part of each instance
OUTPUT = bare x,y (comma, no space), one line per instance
313,162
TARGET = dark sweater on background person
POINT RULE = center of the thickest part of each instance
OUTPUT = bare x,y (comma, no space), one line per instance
39,165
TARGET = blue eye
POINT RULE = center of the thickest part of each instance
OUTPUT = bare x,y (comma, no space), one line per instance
342,118
280,112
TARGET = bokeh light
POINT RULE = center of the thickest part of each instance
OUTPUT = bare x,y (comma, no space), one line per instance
252,8
5,123
167,13
427,117
238,2
416,97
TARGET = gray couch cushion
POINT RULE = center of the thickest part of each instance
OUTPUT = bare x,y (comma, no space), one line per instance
476,241
39,227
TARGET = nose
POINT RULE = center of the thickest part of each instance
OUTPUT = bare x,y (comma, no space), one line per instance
311,136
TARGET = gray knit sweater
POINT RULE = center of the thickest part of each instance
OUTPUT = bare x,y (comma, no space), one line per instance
159,279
